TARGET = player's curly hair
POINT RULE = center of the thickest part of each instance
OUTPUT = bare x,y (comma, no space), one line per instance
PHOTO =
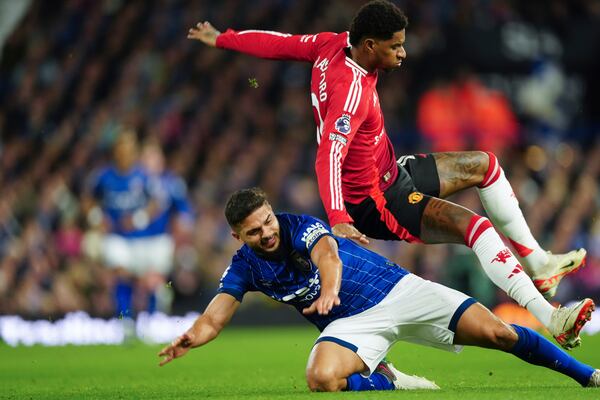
377,19
243,203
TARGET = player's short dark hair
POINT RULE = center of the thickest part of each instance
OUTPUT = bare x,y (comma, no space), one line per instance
243,203
378,19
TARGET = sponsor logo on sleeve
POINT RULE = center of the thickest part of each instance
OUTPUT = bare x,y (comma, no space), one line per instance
312,233
342,125
336,137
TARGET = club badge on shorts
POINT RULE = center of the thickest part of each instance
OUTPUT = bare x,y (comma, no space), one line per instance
415,197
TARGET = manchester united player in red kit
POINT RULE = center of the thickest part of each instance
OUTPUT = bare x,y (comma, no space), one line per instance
366,192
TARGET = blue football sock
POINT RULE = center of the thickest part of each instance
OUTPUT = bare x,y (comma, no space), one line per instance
536,349
123,295
377,381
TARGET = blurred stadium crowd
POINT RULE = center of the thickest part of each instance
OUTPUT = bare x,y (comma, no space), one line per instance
518,78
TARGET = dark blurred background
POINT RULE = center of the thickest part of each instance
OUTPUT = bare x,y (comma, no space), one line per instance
517,78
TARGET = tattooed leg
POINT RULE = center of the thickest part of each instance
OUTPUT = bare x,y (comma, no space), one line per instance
460,170
444,222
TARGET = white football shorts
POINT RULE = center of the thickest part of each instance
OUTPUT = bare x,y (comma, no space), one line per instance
139,255
416,310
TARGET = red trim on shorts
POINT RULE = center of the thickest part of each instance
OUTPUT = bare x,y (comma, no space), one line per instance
522,251
387,217
477,226
493,172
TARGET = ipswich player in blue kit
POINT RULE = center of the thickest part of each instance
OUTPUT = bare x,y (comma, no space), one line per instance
361,303
141,205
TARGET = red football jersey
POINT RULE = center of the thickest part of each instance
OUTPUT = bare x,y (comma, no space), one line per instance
355,157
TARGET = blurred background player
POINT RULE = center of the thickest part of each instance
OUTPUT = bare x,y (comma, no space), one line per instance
361,184
138,205
119,190
173,218
361,303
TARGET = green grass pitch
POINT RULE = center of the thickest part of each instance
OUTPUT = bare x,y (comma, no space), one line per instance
267,363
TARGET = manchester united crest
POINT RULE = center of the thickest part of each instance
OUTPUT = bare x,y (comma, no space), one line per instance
415,197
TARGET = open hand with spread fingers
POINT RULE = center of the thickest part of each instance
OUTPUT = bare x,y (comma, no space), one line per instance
204,32
178,348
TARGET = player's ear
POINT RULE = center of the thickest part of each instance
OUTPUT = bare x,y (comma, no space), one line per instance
236,236
369,45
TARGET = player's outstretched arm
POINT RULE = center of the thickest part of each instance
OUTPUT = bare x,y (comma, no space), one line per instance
204,32
207,327
260,43
325,256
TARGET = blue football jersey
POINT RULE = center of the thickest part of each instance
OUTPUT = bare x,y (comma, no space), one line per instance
169,192
294,279
121,194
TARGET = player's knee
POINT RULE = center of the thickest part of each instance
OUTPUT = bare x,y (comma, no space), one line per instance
323,379
491,168
477,163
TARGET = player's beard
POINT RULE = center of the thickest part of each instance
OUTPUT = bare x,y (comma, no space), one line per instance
392,68
388,67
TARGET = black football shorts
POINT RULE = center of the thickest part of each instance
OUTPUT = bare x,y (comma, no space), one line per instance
397,214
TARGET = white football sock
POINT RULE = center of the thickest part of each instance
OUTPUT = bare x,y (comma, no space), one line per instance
504,269
502,207
541,309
